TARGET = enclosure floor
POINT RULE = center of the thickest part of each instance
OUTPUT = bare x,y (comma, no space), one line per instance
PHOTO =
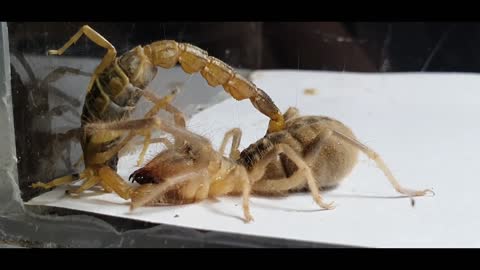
423,125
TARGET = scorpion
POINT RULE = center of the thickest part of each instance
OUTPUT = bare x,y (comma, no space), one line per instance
118,83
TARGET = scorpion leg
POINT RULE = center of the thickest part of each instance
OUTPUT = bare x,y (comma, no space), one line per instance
113,182
98,39
106,188
54,183
61,180
90,182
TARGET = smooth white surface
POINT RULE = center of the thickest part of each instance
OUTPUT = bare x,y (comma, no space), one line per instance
425,126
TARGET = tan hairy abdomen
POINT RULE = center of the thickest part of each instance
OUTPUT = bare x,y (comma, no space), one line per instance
336,158
329,166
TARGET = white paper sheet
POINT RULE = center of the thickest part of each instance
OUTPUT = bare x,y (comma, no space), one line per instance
425,126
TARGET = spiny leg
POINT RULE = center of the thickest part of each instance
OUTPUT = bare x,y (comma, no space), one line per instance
146,143
97,39
302,174
305,170
382,166
179,117
272,185
164,141
236,135
223,185
160,103
281,185
246,191
228,182
258,170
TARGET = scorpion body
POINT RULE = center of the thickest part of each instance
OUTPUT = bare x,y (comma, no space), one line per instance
117,85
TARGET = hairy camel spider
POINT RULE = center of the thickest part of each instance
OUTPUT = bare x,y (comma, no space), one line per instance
313,152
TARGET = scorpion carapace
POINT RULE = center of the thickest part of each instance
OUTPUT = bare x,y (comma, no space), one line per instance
118,83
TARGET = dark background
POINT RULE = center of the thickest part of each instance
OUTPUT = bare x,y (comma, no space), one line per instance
364,47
